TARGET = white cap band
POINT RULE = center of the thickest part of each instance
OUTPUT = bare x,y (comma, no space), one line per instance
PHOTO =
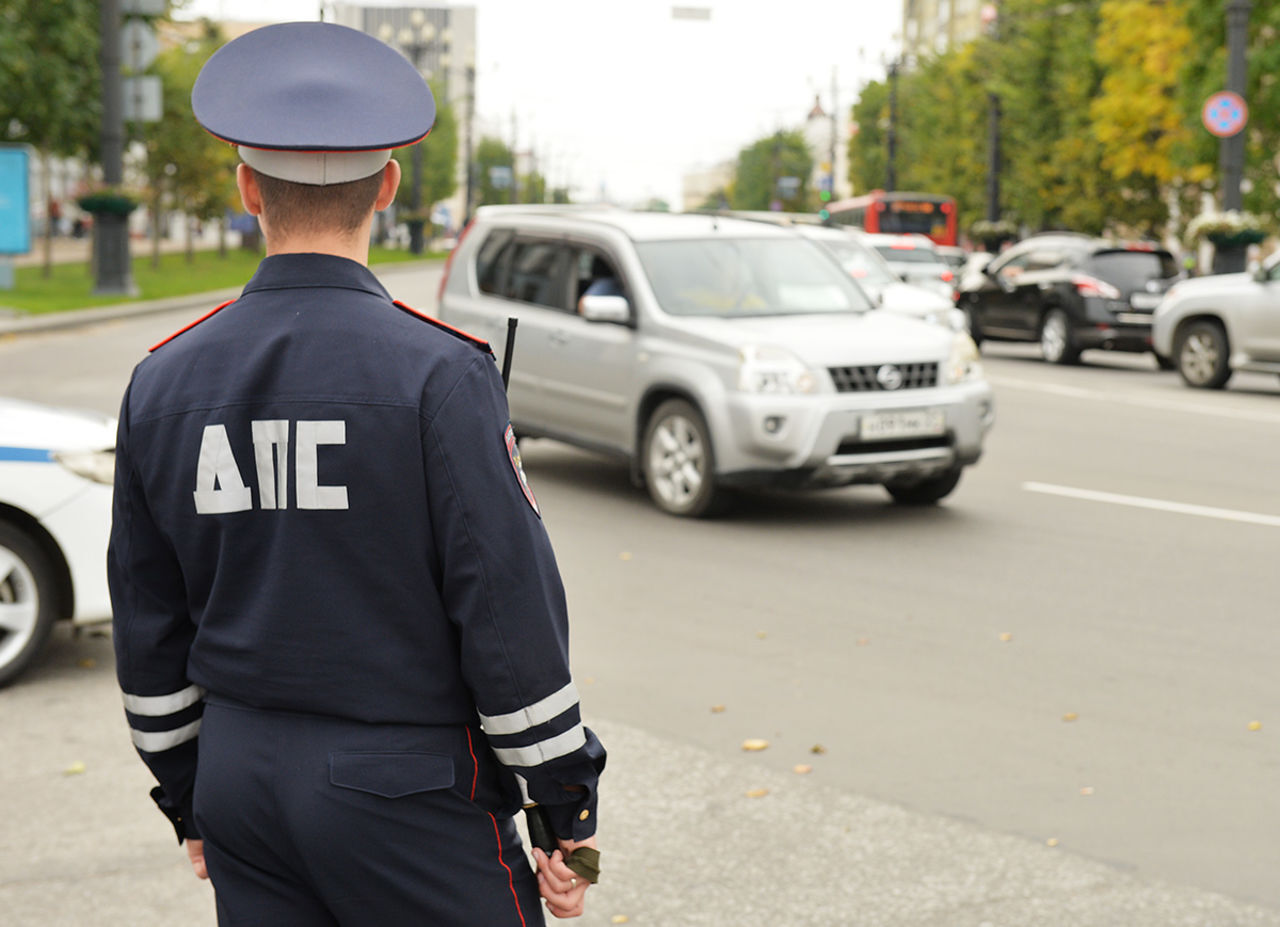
318,168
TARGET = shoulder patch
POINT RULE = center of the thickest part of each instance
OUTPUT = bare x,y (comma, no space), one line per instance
517,464
478,343
212,312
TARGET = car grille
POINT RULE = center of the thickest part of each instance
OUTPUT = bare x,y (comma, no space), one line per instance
860,379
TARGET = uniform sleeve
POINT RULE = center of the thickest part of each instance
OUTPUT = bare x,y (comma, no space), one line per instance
152,631
502,590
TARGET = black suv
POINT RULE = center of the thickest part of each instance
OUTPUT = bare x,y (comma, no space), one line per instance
1070,292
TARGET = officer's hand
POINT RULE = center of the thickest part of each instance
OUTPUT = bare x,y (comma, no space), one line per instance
562,890
195,852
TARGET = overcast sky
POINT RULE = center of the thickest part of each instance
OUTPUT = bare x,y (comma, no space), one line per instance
618,94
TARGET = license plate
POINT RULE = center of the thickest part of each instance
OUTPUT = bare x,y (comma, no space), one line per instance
909,423
1145,300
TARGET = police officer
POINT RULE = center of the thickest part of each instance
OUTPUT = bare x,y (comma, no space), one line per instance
339,626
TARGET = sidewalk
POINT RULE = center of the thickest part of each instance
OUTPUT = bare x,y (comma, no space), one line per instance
67,250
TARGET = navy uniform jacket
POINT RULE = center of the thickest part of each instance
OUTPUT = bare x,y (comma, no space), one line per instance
319,508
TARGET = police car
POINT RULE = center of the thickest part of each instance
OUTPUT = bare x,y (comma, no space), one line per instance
55,514
713,353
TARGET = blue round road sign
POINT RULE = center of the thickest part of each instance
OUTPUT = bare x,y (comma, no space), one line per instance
1225,113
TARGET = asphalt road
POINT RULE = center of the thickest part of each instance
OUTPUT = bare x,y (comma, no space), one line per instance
1033,701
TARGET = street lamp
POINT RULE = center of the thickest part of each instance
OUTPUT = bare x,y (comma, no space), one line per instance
416,40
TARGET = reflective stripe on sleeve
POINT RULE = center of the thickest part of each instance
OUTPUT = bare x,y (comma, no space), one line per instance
159,741
540,712
157,706
544,750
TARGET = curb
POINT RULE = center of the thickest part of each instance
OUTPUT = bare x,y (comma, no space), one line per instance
75,318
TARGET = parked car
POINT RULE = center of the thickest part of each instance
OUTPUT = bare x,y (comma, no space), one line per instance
1210,327
55,515
1070,292
873,274
954,257
915,259
712,352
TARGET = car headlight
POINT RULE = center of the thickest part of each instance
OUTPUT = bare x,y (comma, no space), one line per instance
99,466
963,365
768,369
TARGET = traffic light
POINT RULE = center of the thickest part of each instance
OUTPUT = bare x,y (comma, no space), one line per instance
824,214
824,195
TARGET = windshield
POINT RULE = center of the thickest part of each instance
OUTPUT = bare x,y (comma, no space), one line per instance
863,264
908,255
733,278
1130,270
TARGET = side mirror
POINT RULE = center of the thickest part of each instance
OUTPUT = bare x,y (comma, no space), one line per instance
606,309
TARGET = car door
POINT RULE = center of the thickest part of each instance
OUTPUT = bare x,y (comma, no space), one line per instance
591,379
1257,317
1000,295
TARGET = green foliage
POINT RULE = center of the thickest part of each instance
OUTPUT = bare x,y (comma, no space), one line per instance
50,82
490,153
868,161
760,164
439,154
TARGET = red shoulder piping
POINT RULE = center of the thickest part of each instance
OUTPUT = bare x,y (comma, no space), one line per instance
466,336
161,344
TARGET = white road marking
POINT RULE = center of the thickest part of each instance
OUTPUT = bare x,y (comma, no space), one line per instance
1146,402
1160,505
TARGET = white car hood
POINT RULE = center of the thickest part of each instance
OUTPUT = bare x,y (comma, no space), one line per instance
31,425
913,300
1214,283
835,340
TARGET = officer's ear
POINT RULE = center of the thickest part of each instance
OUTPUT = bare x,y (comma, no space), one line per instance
390,184
250,194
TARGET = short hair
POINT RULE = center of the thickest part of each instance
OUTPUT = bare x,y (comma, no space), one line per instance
294,208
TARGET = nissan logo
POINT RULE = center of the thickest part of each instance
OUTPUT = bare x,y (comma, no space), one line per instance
889,377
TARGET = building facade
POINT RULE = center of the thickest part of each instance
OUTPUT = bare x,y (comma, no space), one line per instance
931,27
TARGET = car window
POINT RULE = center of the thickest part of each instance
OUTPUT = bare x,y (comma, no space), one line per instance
1130,270
1273,272
908,255
595,273
862,263
536,273
492,260
747,277
1013,268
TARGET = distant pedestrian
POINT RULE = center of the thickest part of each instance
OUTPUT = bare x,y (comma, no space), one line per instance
339,625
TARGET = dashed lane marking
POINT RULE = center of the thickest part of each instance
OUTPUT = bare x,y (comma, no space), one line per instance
1160,505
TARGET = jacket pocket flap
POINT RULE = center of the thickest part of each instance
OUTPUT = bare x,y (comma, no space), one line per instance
391,775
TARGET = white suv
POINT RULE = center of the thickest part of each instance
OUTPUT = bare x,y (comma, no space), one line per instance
715,353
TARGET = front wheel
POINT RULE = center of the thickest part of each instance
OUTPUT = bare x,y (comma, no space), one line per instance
1057,344
27,601
1202,354
926,491
679,464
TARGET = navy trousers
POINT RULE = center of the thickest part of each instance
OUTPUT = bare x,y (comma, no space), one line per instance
320,822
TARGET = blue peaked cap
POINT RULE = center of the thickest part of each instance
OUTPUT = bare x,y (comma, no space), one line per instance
312,87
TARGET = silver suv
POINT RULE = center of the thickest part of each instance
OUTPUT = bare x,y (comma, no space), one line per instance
1210,327
715,353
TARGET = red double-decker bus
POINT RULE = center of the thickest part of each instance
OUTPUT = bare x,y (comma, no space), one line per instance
898,213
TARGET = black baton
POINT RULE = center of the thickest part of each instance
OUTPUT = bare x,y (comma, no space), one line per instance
511,346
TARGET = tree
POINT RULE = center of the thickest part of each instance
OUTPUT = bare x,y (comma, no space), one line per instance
50,81
762,164
868,158
186,167
493,153
439,161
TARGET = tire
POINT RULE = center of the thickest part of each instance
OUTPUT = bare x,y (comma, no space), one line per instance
1057,344
1201,354
679,462
1164,363
28,601
924,492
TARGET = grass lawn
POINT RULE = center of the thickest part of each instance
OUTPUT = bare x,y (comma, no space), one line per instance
71,285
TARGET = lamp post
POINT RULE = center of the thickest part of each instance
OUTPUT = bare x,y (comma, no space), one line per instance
416,40
113,268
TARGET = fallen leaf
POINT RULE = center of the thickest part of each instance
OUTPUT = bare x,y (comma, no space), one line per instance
1070,716
1051,842
1255,725
762,634
75,769
625,555
802,769
817,748
754,744
717,709
619,919
88,662
864,641
757,793
1006,637
1086,790
589,681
